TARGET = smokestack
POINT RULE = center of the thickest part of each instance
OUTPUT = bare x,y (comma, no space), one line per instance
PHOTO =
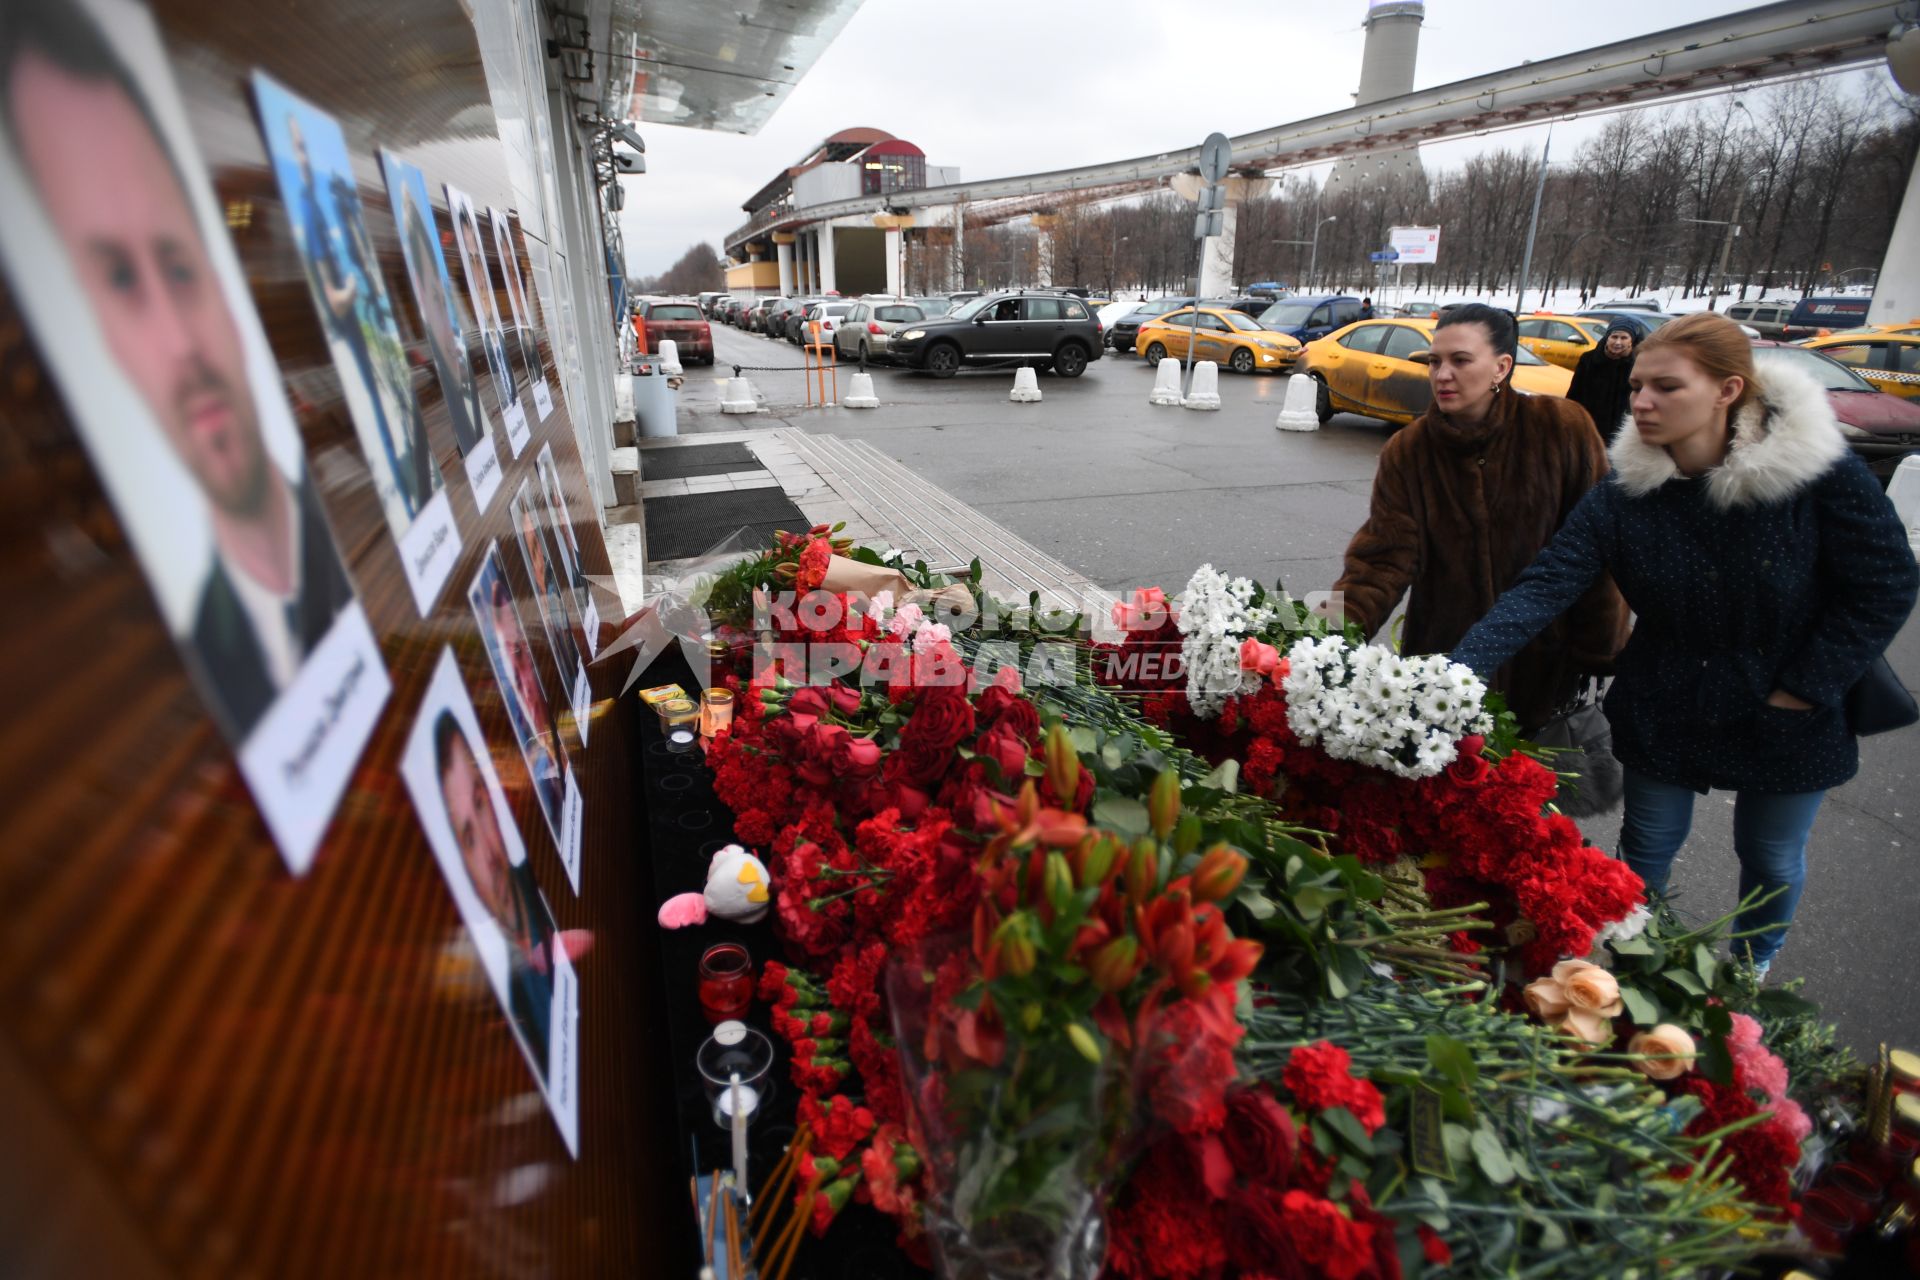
1393,41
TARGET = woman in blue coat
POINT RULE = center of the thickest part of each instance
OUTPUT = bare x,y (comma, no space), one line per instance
1767,571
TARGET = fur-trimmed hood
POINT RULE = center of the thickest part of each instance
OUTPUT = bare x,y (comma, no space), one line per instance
1781,443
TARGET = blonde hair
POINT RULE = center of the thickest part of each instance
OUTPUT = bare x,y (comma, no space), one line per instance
1714,343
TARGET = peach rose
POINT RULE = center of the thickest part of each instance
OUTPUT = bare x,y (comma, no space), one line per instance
1593,1000
1671,1050
1545,1000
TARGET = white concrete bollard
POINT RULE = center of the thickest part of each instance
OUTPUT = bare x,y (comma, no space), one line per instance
669,358
1299,413
1904,492
739,397
1026,386
1166,383
860,393
1205,392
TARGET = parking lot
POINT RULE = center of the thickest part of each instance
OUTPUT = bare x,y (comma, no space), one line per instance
1135,495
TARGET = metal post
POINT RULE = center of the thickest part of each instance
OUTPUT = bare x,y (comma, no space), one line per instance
1313,263
1526,259
1726,246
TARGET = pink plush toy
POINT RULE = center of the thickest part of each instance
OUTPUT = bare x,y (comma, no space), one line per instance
737,889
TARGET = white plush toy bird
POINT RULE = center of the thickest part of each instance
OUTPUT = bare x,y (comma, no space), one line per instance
738,888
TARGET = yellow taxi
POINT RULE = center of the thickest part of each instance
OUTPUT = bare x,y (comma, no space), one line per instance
1908,327
1368,368
1888,359
1561,340
1232,339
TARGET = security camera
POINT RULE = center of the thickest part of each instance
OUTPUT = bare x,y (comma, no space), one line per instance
625,162
628,134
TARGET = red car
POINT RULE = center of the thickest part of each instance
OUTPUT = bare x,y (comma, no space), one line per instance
679,322
1882,428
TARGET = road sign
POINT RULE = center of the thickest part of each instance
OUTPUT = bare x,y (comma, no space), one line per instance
1213,197
1383,255
1419,246
1216,153
1209,224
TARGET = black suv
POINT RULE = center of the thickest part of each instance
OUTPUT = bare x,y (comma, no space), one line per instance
1127,327
1047,330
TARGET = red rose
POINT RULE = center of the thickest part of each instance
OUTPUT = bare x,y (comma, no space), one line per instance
824,739
1020,717
807,701
1473,744
1469,770
1328,1242
855,757
1006,751
1259,1137
846,700
994,700
939,722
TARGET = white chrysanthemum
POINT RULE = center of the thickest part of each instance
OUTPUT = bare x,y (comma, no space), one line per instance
1375,707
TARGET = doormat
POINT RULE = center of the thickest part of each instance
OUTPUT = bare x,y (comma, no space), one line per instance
696,460
699,522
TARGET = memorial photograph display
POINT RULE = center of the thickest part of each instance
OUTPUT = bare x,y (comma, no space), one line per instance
486,314
116,249
456,791
568,545
315,174
542,561
504,633
525,340
441,321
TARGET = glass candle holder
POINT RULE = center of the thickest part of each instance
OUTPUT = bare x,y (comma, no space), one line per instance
735,1049
679,722
726,982
716,712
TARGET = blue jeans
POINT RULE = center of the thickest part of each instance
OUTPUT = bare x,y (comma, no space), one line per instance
1769,833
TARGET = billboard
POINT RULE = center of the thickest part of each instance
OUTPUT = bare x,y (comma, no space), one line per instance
1417,246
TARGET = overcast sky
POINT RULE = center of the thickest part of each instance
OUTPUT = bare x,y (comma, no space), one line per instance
1004,87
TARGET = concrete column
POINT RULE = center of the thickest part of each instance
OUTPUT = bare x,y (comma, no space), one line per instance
827,284
799,264
1216,262
894,286
1896,291
957,259
783,247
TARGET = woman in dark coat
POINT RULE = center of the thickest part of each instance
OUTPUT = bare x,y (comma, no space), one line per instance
1600,379
1767,570
1462,502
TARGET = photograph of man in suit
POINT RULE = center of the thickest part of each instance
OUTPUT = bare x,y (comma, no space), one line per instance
505,890
117,199
519,679
473,260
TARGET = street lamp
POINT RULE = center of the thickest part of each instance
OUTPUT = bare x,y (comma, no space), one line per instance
1313,263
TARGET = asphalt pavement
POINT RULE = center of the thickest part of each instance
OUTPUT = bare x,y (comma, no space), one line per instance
1134,495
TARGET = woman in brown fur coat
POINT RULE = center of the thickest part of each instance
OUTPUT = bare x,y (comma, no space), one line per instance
1463,501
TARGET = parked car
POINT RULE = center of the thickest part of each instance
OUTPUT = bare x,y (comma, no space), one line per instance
1561,340
866,335
681,322
1311,316
1045,329
1122,332
933,305
757,314
1881,428
707,301
1768,319
827,315
1246,304
959,296
1813,316
1223,335
1629,304
1905,327
1419,309
773,321
1369,368
1889,361
1644,322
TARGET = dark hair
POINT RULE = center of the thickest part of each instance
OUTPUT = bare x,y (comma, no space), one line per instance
446,732
65,35
1503,332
